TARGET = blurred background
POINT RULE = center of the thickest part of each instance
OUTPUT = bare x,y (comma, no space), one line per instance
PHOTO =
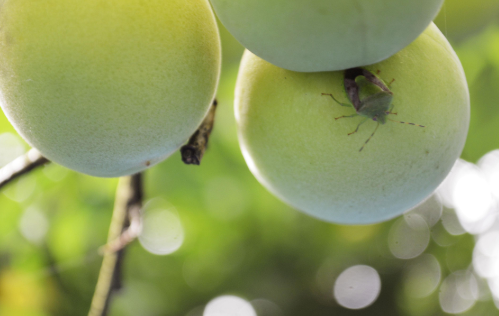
215,240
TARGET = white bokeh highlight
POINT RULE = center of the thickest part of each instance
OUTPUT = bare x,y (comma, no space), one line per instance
467,189
489,164
430,210
33,225
422,276
357,287
458,292
451,223
409,236
471,195
162,232
486,255
229,305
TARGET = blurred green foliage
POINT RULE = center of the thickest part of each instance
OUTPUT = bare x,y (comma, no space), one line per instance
239,239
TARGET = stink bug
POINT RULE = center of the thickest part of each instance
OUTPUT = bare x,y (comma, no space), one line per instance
370,97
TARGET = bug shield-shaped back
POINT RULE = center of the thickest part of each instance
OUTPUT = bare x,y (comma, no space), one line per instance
375,103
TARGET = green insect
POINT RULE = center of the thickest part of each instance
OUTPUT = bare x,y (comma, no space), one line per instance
370,97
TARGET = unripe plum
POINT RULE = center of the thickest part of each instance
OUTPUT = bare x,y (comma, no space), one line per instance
325,35
294,146
109,87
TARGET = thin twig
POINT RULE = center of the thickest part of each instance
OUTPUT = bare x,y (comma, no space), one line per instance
21,165
127,236
193,151
128,200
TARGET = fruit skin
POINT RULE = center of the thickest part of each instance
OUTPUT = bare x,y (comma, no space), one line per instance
325,35
107,87
295,148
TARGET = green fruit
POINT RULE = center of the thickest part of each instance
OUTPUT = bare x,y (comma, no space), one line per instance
296,149
107,87
325,35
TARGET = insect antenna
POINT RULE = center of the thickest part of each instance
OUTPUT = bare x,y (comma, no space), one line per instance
406,123
367,141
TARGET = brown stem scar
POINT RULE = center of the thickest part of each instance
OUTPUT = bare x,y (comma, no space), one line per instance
193,151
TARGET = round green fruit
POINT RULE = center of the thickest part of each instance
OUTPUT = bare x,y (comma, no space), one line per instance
296,148
109,87
325,35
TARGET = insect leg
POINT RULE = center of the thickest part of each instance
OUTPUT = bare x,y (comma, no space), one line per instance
390,83
331,95
358,127
345,116
406,123
390,110
367,141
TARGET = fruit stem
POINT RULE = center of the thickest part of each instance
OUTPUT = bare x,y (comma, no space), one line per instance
193,151
128,202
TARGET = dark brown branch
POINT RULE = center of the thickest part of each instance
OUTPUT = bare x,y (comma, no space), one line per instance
21,165
193,151
128,201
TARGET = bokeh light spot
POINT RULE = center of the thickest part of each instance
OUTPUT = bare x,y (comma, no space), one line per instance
55,172
486,255
33,225
451,222
21,189
472,197
409,236
489,164
422,276
446,189
357,287
162,232
229,305
430,210
458,292
265,307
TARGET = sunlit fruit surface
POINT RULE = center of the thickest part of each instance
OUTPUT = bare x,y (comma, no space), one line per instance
324,35
107,88
297,149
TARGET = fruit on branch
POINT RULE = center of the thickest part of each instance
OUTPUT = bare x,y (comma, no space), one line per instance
325,35
111,87
296,148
